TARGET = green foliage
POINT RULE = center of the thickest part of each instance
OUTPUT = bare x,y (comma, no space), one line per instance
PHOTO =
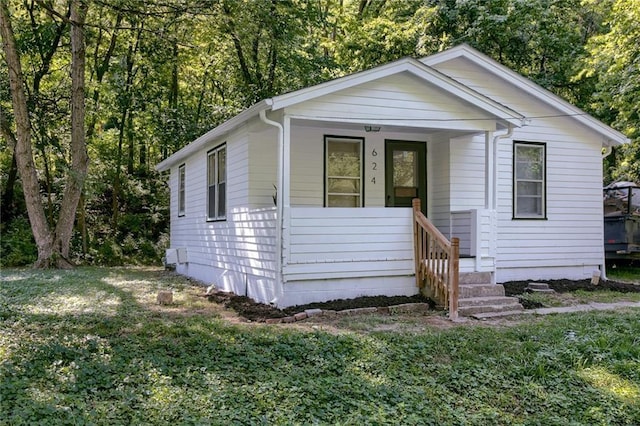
91,346
613,63
17,246
161,74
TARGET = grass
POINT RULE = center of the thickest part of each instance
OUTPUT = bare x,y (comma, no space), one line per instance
579,297
626,273
90,346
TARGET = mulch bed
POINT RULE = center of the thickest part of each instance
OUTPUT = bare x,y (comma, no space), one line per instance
259,312
514,288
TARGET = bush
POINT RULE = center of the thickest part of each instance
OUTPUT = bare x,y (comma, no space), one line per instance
17,246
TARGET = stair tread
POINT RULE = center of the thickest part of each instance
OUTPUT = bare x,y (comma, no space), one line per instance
487,301
473,310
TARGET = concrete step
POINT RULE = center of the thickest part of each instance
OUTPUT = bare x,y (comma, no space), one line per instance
474,278
482,301
467,291
473,310
539,288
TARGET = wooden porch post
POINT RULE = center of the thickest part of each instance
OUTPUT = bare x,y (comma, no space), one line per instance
454,267
417,243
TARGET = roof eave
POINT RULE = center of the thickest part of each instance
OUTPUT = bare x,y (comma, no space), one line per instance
611,137
502,112
213,134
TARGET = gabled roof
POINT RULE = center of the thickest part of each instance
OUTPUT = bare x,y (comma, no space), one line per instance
430,75
408,65
611,136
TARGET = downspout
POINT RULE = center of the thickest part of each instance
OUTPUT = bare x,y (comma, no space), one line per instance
496,138
494,178
603,267
279,204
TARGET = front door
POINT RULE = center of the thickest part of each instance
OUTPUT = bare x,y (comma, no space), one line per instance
406,173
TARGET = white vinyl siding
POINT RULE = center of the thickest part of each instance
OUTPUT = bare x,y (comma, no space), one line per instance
217,183
350,242
181,190
529,180
569,243
343,172
397,100
237,254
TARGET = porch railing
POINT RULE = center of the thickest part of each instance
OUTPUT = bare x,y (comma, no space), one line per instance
437,261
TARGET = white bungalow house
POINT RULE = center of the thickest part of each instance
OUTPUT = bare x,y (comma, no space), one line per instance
510,169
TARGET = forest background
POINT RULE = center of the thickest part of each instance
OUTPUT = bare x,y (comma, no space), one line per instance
153,75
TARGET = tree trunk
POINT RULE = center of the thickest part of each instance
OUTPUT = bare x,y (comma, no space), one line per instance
79,157
23,151
53,247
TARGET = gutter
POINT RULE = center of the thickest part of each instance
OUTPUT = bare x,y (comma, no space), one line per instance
279,204
496,138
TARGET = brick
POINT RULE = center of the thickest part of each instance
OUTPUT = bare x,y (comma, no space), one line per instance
313,312
300,316
288,320
273,320
409,307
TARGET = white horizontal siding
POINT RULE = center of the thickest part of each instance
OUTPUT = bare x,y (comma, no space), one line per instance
439,184
231,253
467,169
308,291
263,166
349,243
401,98
570,240
307,162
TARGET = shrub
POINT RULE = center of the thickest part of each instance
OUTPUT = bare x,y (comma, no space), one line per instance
17,246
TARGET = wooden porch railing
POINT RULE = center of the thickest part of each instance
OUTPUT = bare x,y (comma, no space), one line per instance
437,261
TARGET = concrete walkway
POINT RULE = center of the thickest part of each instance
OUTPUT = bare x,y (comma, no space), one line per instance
594,306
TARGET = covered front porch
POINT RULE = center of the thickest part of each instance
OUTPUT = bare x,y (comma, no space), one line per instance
370,248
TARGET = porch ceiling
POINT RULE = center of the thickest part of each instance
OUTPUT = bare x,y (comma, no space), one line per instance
360,126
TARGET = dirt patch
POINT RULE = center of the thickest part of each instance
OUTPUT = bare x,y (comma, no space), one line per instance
260,312
253,311
515,288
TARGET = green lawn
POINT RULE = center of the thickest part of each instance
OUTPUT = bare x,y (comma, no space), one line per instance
90,346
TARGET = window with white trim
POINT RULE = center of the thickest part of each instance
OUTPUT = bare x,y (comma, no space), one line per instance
529,180
343,171
217,183
181,190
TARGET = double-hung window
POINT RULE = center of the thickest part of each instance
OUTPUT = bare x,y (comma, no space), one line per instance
217,183
529,180
181,190
343,172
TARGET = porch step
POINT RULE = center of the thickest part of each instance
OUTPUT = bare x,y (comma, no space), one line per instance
486,301
468,291
468,311
482,298
474,278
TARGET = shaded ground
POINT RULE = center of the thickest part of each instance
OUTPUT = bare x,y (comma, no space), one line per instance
249,309
514,288
517,288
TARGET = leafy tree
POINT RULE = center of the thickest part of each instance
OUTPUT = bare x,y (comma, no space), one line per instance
614,63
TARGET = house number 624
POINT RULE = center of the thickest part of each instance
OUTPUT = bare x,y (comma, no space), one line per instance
374,165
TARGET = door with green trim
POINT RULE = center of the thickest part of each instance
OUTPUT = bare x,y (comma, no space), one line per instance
405,173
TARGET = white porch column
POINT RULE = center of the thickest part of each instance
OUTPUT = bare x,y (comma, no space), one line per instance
286,190
489,169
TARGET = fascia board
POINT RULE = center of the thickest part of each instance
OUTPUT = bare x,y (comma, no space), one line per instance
414,67
611,136
213,134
